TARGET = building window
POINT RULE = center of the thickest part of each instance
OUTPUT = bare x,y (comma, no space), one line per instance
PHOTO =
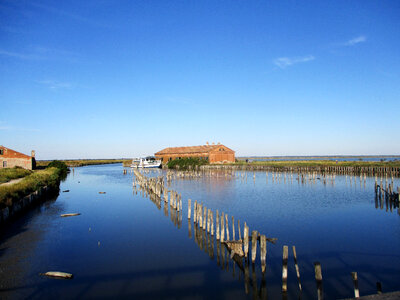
4,164
1,151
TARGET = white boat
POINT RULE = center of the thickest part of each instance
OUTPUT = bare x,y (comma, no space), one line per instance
148,162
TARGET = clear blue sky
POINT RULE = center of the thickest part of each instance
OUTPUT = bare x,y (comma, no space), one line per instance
108,79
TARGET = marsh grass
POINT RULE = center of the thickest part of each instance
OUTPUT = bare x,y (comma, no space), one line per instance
14,192
8,174
80,162
320,163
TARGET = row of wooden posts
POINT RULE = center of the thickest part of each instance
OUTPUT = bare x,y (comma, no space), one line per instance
340,170
203,219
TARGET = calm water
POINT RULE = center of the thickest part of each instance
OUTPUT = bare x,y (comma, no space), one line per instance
125,245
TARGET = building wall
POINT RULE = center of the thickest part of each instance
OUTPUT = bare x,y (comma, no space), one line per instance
213,157
10,159
25,163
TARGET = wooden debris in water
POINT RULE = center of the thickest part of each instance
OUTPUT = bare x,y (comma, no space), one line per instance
284,269
253,246
263,252
318,280
355,282
297,267
102,192
57,274
70,215
66,191
235,247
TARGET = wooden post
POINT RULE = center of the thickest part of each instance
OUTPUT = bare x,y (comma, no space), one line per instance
212,225
263,252
222,227
253,246
189,208
297,267
195,211
355,282
208,220
246,239
233,228
205,218
200,218
284,269
217,223
318,280
227,227
240,233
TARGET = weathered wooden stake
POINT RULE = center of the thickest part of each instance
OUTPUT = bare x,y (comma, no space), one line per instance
217,223
263,252
233,228
208,220
205,218
246,239
253,246
240,233
212,224
284,269
355,282
297,267
222,227
227,227
318,280
189,208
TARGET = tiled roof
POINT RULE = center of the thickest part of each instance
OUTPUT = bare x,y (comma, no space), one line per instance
12,153
191,149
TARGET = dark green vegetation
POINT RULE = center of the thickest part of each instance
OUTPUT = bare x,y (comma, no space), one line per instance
8,174
50,176
187,163
80,162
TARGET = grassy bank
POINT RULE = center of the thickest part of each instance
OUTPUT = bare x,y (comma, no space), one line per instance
8,174
14,192
81,162
321,163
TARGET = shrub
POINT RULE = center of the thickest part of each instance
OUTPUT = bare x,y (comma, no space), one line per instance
187,163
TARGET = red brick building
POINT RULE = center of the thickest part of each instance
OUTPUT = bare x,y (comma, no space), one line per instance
10,159
214,153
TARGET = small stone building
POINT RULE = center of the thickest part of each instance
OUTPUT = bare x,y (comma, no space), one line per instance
214,153
10,159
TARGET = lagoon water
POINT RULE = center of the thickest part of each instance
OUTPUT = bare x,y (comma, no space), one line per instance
124,245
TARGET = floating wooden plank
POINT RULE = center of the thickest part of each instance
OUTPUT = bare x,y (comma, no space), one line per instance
57,274
70,215
102,192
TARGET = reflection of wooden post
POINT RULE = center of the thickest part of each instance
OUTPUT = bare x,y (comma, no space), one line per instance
217,223
253,246
297,267
263,251
246,239
222,227
227,227
189,208
233,228
284,269
246,277
254,280
318,280
379,288
190,229
355,282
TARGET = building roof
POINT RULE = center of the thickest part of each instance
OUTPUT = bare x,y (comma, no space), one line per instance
13,154
190,149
